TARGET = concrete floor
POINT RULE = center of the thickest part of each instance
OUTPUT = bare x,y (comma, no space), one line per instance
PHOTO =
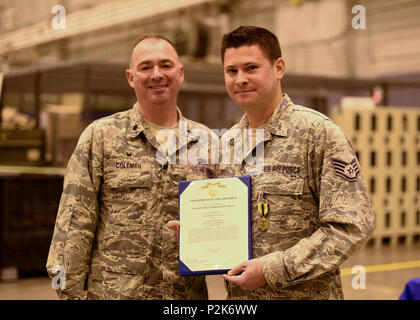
382,282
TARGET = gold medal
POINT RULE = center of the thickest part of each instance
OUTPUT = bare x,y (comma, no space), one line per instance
263,223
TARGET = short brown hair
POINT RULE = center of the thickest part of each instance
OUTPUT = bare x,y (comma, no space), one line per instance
252,35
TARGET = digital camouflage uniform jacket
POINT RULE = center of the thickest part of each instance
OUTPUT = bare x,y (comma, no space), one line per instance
319,209
110,234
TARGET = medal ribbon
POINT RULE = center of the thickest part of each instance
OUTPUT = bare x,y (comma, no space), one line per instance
263,209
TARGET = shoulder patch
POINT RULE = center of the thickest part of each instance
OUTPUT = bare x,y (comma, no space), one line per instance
347,170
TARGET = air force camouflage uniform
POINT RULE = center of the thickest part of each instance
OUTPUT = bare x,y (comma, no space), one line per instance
110,234
318,207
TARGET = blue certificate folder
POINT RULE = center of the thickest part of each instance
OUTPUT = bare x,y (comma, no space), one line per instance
184,270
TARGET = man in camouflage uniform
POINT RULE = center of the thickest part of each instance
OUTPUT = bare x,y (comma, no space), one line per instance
310,184
111,235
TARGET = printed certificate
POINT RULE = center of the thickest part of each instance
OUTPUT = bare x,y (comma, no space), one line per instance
215,233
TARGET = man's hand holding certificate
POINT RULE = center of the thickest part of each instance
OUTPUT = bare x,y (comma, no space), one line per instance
215,233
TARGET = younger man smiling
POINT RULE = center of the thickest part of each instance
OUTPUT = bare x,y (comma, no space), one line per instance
311,186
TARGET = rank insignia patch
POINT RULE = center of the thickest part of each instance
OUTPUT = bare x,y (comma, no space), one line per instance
348,170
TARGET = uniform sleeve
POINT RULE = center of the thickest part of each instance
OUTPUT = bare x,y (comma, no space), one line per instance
77,218
346,218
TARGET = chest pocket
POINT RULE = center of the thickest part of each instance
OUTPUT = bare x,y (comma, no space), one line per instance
139,179
128,195
286,215
284,198
285,187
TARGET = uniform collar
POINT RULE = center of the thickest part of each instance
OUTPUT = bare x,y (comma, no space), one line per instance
137,121
277,124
